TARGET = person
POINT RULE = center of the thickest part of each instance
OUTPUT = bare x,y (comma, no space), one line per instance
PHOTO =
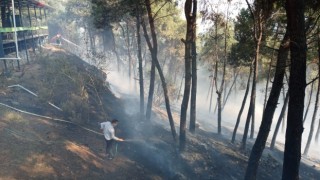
57,39
109,135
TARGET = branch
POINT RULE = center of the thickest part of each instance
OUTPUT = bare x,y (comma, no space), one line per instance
155,15
310,28
271,48
250,9
254,19
313,80
145,33
164,16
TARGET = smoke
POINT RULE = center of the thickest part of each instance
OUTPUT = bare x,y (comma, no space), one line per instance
208,120
128,89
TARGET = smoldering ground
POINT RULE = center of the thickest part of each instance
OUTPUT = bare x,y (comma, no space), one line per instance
160,154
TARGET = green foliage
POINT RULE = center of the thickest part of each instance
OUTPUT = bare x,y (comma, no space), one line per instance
213,40
106,12
243,50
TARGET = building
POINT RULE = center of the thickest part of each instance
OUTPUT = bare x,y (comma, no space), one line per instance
23,29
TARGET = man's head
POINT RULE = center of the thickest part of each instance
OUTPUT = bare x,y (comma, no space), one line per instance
114,122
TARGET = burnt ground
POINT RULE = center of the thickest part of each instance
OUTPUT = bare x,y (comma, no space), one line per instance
34,147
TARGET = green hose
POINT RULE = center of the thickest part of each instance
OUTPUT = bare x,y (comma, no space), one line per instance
116,149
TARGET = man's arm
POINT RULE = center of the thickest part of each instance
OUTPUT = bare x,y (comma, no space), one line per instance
115,137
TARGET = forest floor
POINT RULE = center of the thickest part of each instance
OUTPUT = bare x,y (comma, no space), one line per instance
34,147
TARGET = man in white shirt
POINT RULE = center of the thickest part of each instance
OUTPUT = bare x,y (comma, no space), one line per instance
109,135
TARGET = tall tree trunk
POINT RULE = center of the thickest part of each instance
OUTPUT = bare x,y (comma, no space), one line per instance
215,77
230,89
115,51
152,74
128,50
309,102
285,111
138,22
269,69
316,106
297,83
251,106
271,106
225,94
258,31
211,93
220,90
193,101
151,91
280,119
92,45
242,106
154,50
179,93
317,133
190,37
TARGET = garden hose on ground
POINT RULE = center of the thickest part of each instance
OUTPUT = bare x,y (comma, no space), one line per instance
51,118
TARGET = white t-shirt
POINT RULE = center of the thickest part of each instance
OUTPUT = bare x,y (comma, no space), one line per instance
108,131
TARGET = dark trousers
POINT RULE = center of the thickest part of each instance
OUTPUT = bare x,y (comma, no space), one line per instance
109,144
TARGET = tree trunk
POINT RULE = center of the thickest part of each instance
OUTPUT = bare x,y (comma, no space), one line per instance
242,107
316,106
280,119
152,75
285,111
193,101
92,45
251,112
297,84
188,58
151,92
251,106
230,89
269,69
211,93
115,51
140,62
220,91
309,102
317,133
154,51
128,50
219,112
271,106
225,88
179,93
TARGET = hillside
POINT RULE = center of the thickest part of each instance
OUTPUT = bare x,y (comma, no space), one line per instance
63,140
